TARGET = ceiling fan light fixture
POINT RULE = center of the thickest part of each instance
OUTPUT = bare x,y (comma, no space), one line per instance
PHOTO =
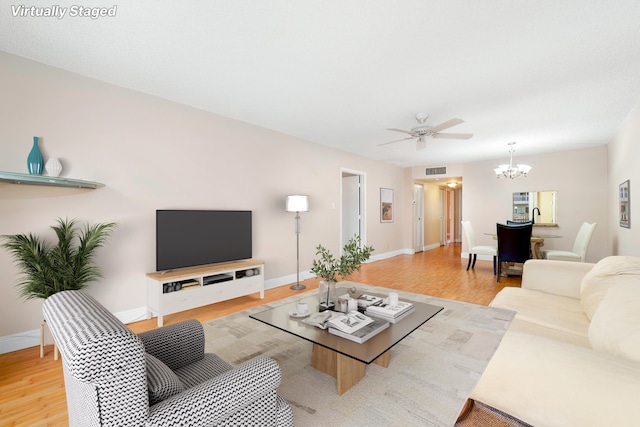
509,171
423,130
422,117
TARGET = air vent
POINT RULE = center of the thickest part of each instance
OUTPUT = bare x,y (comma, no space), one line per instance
437,171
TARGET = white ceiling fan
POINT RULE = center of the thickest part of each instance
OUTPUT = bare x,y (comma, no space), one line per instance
422,130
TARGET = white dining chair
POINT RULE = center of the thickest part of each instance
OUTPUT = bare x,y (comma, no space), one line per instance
474,250
580,246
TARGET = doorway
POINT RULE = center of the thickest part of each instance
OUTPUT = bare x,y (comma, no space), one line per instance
443,215
418,218
352,213
440,215
451,210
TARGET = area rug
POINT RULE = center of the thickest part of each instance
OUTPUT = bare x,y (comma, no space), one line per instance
430,374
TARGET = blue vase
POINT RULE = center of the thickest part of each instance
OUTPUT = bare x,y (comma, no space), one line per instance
35,162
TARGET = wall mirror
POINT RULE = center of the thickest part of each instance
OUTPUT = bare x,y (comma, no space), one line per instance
525,204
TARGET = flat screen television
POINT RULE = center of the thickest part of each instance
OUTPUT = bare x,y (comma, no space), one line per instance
187,238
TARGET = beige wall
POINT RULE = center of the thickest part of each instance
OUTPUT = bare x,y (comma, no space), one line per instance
155,154
624,164
579,176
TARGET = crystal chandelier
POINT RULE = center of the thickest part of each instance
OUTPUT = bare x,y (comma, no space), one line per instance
509,171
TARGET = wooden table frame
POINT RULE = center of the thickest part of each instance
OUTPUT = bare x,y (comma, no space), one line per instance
346,370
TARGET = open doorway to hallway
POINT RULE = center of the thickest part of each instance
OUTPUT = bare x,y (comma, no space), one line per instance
352,211
453,214
418,215
437,213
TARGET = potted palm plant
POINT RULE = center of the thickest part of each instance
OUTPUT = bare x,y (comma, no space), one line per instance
47,269
329,268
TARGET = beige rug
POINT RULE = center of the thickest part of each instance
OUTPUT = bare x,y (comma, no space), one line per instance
429,376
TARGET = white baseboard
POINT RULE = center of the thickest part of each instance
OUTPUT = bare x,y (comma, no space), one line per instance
26,339
287,280
391,254
430,247
22,340
133,315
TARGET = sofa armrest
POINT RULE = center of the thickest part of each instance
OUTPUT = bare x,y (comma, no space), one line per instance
555,277
214,400
176,345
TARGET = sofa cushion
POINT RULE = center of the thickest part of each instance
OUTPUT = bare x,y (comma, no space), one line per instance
615,327
556,312
606,273
162,383
535,329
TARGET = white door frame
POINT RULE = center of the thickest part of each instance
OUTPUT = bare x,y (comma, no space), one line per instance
418,218
362,216
443,212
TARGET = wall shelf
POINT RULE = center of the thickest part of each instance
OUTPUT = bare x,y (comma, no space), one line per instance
53,181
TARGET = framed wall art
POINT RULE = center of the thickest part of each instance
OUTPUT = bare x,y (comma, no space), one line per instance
625,204
386,205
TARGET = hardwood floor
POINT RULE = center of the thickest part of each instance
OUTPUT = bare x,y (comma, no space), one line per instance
32,389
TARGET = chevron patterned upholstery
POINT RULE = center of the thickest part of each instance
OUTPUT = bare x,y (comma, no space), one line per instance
162,377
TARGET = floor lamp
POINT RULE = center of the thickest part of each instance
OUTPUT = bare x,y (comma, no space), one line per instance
297,204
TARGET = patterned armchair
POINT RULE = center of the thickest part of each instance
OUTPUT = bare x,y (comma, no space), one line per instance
163,377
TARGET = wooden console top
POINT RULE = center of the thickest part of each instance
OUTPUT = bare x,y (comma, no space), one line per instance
202,270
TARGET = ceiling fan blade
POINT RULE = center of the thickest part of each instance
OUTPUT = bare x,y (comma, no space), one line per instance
453,135
446,125
397,140
404,131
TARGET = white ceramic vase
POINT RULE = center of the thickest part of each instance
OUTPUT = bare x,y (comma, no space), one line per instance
53,167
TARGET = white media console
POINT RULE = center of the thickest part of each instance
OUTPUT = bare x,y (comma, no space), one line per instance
187,288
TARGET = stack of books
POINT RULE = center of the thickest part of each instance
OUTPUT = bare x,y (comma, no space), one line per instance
353,326
363,333
390,313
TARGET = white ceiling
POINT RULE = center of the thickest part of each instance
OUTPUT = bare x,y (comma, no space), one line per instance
551,75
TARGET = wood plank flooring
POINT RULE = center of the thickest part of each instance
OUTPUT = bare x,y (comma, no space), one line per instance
32,389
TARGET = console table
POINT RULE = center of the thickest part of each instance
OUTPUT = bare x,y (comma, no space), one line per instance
186,288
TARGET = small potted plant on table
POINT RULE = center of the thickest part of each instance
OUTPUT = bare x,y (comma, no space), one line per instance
329,268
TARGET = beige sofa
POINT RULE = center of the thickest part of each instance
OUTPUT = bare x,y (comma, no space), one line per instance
571,357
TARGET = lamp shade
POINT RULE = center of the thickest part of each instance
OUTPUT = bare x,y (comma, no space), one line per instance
297,204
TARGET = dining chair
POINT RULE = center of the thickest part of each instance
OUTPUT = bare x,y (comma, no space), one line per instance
475,250
514,244
509,222
580,246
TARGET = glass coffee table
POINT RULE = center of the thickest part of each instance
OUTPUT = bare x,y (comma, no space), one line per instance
341,358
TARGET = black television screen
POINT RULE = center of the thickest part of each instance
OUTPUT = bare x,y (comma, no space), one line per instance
186,238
